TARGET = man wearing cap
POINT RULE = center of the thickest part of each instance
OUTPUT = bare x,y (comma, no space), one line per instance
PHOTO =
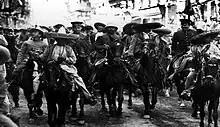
64,54
179,47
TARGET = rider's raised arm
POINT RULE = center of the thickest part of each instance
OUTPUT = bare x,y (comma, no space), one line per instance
71,57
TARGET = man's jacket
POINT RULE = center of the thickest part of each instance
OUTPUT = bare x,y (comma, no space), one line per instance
180,40
110,40
28,46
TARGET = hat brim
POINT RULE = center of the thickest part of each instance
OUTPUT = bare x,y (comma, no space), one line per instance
186,21
76,22
127,29
106,27
58,26
162,31
147,26
61,35
96,25
34,29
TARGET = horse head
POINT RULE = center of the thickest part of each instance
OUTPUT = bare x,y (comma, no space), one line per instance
53,73
149,56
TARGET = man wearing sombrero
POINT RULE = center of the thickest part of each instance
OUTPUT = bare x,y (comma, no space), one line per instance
35,45
103,43
100,31
64,54
77,27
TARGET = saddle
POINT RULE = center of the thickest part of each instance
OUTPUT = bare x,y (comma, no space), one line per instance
180,63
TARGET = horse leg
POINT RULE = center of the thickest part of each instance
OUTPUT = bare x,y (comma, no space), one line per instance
195,109
130,90
51,108
14,91
62,108
39,103
63,98
74,97
180,89
113,99
102,93
109,101
210,107
81,119
202,113
154,98
145,94
30,104
215,112
120,100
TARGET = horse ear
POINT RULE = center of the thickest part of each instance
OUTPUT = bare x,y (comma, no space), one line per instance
205,49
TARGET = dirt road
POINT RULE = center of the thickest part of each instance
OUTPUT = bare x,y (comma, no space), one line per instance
166,114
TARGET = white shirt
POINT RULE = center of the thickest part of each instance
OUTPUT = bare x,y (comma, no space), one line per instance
98,35
59,51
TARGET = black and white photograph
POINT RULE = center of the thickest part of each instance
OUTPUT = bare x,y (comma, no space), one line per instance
109,63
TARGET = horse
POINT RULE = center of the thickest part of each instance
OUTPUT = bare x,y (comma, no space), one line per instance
26,82
83,66
149,75
206,88
13,84
56,91
111,77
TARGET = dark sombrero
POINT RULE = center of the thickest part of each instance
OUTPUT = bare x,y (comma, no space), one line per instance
96,25
147,26
88,27
45,28
76,22
40,30
127,29
57,26
61,35
162,31
204,38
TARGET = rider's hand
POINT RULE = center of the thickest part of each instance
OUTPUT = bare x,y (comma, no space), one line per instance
106,46
61,59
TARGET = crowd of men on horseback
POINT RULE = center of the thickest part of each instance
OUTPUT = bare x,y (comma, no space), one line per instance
65,63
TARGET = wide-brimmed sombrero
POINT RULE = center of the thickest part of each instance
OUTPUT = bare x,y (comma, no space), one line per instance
61,34
32,29
96,25
110,26
205,37
127,29
88,27
162,31
46,29
147,26
76,22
